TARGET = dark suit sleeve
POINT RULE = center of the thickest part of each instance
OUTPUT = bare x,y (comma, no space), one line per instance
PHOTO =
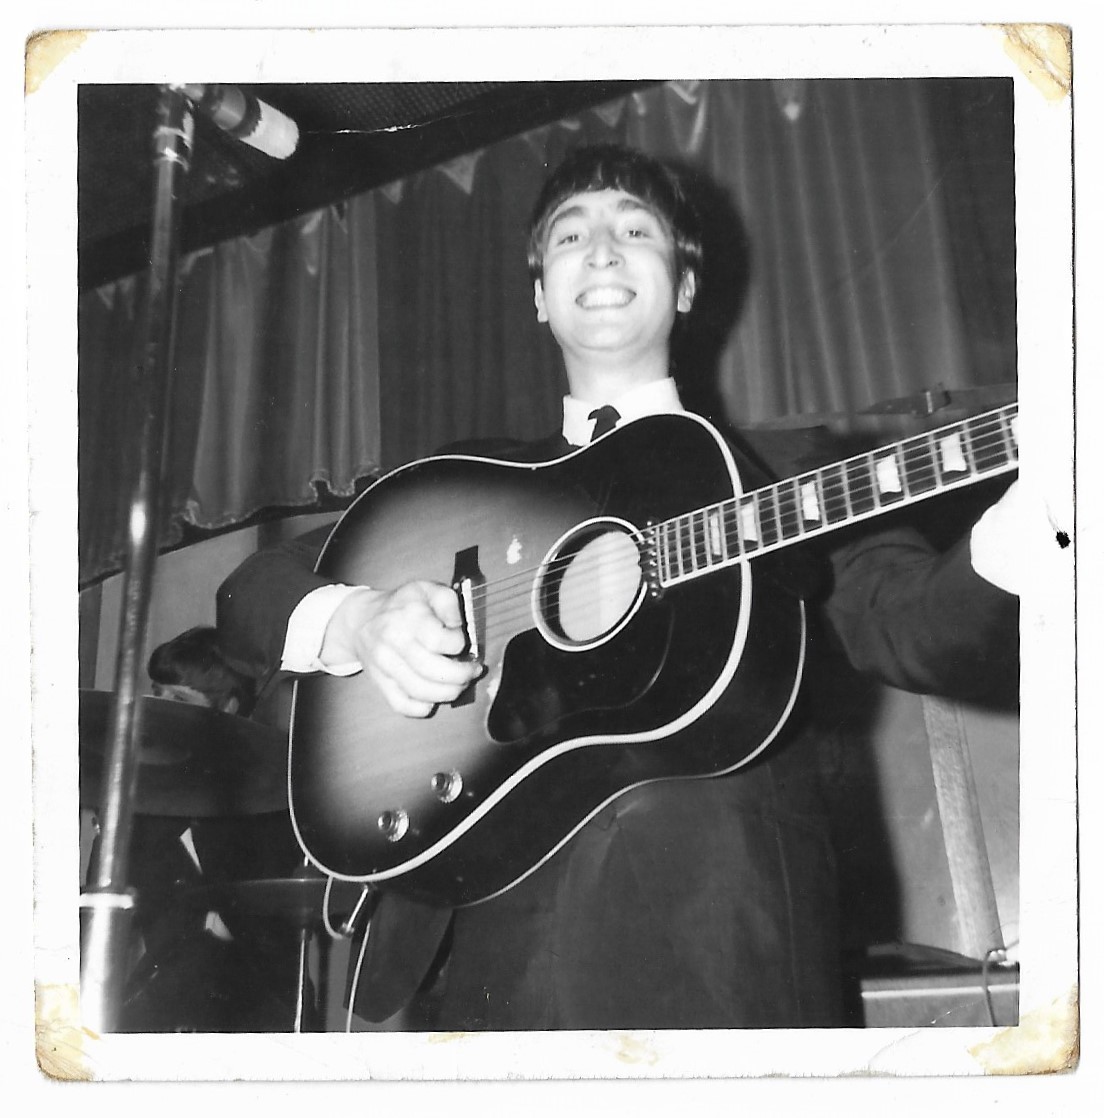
916,617
922,620
254,604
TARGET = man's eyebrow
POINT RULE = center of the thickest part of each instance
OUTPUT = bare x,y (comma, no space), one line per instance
566,212
624,205
635,204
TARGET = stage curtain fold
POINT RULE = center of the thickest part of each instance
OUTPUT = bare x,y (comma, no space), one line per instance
275,381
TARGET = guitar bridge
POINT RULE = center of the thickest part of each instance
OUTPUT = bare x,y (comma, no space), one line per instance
467,610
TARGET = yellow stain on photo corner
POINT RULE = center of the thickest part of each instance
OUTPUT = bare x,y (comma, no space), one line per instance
59,1037
45,52
635,1050
1044,54
1046,1040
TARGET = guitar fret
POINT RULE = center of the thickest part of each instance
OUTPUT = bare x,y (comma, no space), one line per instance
921,472
776,500
936,459
1009,433
768,516
834,490
857,494
902,470
952,460
729,528
991,449
793,501
874,492
749,523
810,502
686,541
718,549
887,479
968,446
701,546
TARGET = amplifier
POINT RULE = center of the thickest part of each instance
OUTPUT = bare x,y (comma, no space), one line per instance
905,986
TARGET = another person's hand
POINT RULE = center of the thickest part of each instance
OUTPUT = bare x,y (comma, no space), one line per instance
408,641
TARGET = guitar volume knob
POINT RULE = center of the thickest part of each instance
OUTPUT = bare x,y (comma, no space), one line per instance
447,785
393,824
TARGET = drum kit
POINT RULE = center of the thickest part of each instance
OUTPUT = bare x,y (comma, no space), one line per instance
196,764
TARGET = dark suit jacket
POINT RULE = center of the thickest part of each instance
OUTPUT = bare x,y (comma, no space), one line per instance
685,904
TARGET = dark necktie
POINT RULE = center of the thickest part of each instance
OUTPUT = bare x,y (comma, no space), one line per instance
605,419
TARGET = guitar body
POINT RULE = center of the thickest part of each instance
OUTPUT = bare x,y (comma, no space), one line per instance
597,678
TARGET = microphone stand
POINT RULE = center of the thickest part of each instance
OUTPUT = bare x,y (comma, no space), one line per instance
106,903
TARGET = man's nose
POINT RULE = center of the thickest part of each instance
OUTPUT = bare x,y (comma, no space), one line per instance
604,250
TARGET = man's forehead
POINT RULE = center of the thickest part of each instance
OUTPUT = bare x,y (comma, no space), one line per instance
587,201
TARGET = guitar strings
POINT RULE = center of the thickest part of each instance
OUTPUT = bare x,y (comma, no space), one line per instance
792,527
859,492
519,611
735,549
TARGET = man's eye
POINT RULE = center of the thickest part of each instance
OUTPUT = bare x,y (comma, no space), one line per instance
567,238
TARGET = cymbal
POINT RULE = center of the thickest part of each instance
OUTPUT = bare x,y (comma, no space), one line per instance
193,762
934,400
949,404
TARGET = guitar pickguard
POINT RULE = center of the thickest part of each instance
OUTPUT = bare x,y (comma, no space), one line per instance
546,692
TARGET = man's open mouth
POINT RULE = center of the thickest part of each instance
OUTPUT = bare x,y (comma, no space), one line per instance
597,297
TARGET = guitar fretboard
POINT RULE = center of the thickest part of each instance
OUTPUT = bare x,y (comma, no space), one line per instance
833,496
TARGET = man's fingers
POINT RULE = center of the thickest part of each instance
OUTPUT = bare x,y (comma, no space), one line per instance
423,676
398,700
411,645
444,603
432,635
425,614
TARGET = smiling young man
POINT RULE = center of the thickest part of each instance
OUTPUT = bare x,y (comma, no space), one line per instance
680,904
609,290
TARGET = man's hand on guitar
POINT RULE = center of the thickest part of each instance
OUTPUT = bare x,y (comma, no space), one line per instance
407,640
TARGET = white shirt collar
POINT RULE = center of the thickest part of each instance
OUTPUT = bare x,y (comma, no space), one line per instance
657,397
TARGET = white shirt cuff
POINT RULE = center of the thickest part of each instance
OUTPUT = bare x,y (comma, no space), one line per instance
307,628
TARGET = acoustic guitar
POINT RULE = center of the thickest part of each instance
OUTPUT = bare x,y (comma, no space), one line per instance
614,595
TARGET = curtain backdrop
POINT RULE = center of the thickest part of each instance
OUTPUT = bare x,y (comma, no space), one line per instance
860,247
275,380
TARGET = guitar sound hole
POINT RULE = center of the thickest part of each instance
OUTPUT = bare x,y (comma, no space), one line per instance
591,586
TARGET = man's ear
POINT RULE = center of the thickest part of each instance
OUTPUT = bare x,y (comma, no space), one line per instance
538,301
687,288
231,706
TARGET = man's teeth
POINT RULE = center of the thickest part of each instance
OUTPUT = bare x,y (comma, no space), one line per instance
605,297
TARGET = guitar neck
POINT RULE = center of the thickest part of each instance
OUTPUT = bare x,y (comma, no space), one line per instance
835,496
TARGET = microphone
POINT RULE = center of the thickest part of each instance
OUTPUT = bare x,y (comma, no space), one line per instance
247,118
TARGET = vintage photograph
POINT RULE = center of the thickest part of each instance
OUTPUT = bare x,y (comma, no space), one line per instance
552,558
